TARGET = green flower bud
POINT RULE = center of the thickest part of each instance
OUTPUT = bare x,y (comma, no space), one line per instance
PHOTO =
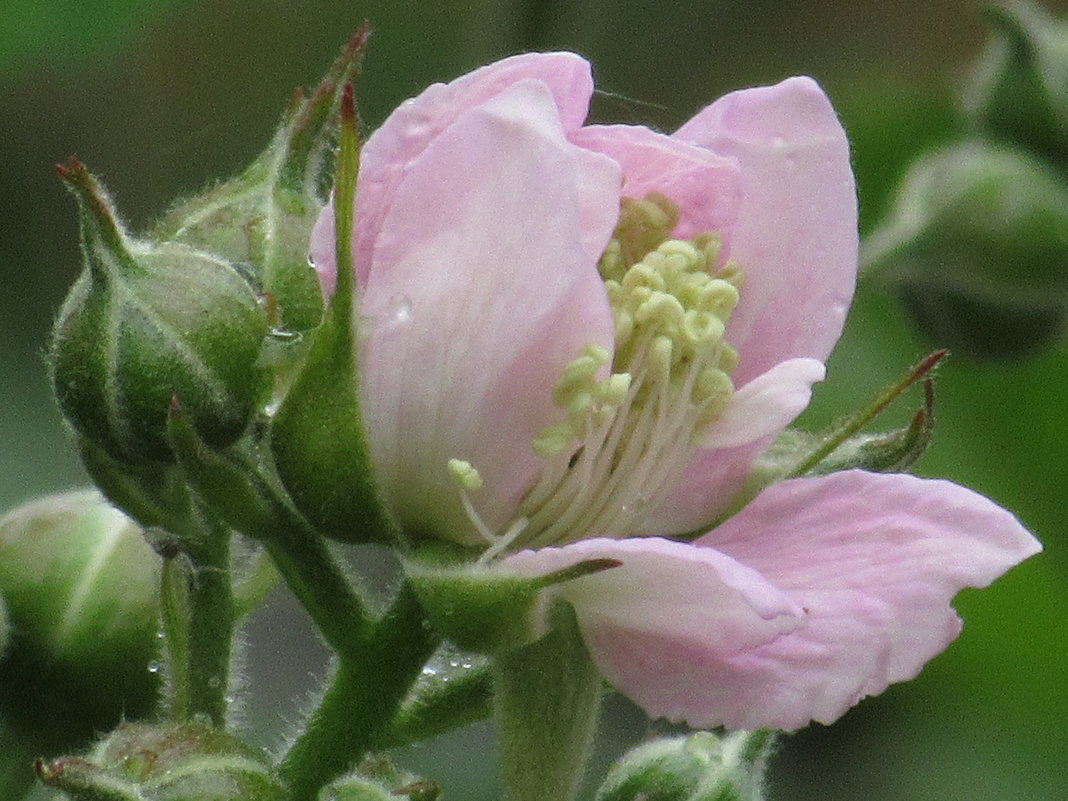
1019,89
977,247
146,323
697,767
166,762
379,779
263,217
80,586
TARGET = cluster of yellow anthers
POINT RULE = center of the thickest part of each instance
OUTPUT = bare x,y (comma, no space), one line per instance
632,427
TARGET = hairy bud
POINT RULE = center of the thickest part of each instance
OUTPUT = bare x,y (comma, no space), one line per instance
146,323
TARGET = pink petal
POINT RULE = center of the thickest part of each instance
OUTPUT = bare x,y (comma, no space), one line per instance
875,561
669,596
409,130
766,405
705,186
481,289
796,234
716,473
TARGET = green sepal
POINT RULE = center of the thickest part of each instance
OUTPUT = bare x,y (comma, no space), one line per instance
1019,88
976,245
696,767
454,689
229,486
84,781
317,436
263,217
548,697
486,609
144,323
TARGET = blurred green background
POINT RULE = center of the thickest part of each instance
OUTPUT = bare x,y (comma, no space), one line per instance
160,97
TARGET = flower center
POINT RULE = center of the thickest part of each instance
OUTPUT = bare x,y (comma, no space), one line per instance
632,426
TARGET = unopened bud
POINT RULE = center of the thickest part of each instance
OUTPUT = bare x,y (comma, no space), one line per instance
379,779
697,767
165,762
80,586
977,246
1019,90
146,323
262,219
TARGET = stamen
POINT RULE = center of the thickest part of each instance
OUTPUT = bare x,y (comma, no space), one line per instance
468,480
632,426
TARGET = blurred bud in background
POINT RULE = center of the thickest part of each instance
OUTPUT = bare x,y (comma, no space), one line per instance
1019,89
80,587
976,245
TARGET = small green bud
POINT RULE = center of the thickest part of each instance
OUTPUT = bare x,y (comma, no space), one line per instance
1019,88
263,217
697,767
165,762
80,586
146,323
378,779
977,247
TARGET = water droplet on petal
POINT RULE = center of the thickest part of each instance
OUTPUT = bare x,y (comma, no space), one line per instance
400,308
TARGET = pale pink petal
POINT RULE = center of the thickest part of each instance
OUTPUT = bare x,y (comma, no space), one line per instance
796,233
766,405
874,560
670,596
705,186
757,413
321,249
410,129
480,291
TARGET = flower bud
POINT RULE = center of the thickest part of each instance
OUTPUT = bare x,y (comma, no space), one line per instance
80,586
1019,89
380,780
698,767
977,246
166,762
262,219
146,323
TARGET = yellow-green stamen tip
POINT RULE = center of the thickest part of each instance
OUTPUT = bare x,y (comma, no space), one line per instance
465,475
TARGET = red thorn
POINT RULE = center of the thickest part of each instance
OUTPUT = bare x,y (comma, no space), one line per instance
359,39
348,105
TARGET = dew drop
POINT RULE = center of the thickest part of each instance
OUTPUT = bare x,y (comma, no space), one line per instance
400,308
214,682
635,507
153,667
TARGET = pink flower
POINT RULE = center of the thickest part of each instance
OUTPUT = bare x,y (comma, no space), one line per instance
597,380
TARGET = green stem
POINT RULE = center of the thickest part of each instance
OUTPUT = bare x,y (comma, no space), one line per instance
175,614
361,700
211,627
326,593
548,697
